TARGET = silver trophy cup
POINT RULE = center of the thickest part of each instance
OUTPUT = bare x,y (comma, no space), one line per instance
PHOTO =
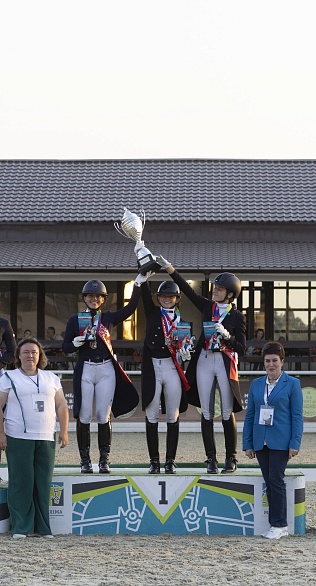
132,226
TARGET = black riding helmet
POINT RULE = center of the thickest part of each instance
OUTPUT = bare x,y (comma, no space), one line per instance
169,288
94,287
230,282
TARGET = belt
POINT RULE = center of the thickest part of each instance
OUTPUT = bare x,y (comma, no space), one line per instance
97,360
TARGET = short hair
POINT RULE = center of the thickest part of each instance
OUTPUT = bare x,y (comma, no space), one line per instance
42,362
273,347
51,328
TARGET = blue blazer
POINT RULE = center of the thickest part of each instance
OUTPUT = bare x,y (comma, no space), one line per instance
287,429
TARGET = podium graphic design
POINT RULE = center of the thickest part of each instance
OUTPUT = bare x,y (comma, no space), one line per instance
134,502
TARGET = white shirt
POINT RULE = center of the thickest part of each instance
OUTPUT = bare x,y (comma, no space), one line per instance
222,307
39,425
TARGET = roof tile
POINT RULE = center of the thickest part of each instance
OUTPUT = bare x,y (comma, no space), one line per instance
168,189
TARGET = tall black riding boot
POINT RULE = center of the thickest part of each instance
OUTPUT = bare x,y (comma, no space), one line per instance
104,442
230,434
153,447
83,439
207,428
172,444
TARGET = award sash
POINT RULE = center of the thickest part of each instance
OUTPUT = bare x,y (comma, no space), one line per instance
104,334
169,329
211,338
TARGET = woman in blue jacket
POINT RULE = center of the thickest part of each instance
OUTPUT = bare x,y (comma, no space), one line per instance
273,431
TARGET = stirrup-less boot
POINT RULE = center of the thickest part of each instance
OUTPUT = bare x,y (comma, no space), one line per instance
172,444
153,447
230,434
207,428
104,443
83,440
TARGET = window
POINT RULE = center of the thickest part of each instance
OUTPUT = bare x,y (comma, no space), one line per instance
295,307
5,299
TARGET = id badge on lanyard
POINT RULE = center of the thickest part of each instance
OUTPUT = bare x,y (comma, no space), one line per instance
38,401
266,414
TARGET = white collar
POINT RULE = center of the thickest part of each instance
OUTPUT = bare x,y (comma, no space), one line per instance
274,382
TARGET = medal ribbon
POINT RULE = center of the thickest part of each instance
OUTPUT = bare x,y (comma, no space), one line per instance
215,313
233,371
168,326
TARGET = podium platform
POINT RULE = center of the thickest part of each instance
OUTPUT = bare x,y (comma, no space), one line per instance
188,502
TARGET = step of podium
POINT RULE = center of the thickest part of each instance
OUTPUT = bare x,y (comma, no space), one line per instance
189,502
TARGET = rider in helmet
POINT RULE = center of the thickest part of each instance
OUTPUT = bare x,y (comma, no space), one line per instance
97,375
163,380
215,362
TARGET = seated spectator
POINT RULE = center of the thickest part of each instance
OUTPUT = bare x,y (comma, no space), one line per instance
257,350
51,334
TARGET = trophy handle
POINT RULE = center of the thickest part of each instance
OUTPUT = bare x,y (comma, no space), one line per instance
142,217
119,230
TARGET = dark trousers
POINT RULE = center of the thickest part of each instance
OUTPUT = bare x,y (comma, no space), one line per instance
273,464
30,469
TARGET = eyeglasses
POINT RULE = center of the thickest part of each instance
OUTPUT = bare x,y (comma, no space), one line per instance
272,346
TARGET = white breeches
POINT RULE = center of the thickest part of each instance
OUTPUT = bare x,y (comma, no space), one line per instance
168,381
210,365
97,383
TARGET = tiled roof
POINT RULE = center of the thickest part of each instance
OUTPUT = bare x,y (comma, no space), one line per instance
192,190
194,256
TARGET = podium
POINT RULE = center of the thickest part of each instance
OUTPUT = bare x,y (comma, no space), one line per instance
131,501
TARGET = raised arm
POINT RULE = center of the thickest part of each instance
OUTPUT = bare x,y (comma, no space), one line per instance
198,300
116,317
149,305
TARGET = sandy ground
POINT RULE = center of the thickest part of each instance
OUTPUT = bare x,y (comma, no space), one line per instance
162,560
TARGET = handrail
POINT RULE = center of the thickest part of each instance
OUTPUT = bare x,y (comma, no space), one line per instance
240,372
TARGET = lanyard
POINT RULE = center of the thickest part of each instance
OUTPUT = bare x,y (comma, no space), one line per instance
168,324
33,381
215,313
267,393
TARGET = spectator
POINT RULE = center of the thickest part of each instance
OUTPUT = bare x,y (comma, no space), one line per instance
51,334
257,350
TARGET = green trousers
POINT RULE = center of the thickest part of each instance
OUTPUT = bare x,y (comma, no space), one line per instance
30,470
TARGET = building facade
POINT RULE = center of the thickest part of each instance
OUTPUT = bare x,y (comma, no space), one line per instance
254,218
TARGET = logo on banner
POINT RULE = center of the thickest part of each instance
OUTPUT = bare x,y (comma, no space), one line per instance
56,494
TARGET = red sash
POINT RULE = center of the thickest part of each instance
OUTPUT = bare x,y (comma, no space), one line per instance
233,371
173,352
104,334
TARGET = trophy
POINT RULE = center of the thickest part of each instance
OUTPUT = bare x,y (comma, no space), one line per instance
132,227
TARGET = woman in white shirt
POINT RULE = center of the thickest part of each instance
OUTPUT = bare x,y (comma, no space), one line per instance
32,398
